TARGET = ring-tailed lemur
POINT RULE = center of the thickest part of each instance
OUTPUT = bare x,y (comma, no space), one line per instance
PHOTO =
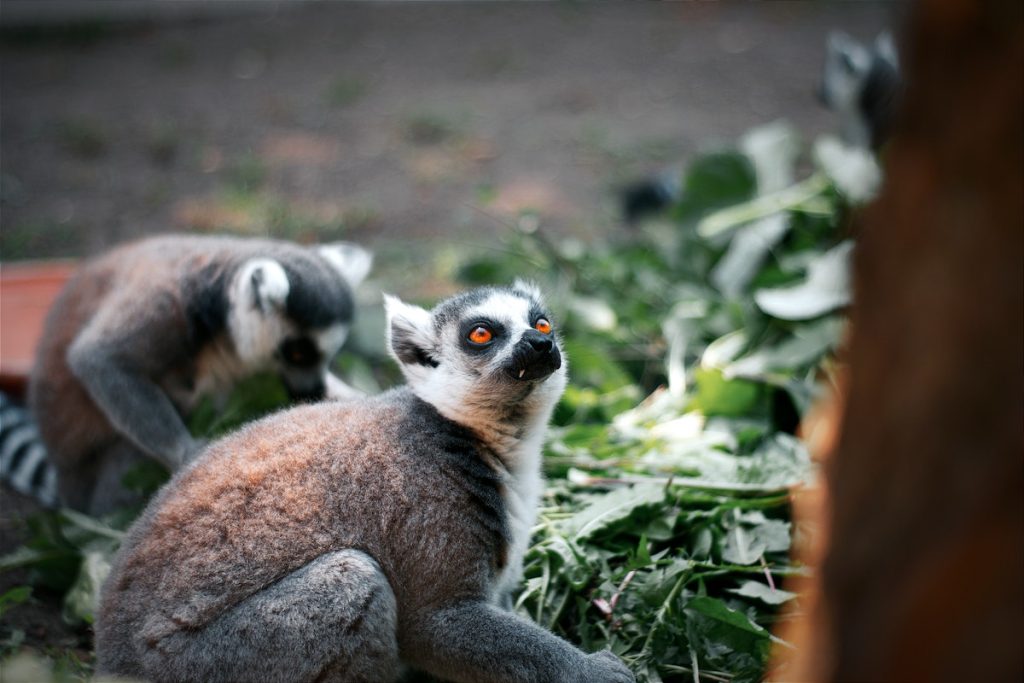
346,541
862,84
140,333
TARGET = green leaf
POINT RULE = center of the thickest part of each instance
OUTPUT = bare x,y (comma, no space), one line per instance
763,206
807,346
249,400
715,181
762,592
145,477
592,367
608,509
82,600
826,288
91,524
719,611
750,535
14,596
26,556
716,395
742,546
781,461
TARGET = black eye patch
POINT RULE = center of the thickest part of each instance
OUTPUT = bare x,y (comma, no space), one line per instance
299,352
498,337
536,313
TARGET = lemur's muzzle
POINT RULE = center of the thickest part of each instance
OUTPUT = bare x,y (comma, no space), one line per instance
306,386
535,356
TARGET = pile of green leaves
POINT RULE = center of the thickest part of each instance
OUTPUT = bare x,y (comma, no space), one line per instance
666,532
695,342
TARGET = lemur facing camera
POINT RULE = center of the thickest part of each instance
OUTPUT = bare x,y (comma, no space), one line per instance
140,333
347,541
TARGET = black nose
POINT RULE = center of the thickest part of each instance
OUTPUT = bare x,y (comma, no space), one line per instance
541,343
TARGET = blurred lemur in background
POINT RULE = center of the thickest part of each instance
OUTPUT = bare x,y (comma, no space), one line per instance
861,84
140,333
345,541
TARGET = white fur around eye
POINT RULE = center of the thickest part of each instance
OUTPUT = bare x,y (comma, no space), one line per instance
508,309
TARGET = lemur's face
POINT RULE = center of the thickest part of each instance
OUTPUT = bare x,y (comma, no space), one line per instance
507,336
268,310
482,351
847,63
304,356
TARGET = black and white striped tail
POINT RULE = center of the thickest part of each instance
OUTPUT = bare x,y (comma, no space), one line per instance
23,463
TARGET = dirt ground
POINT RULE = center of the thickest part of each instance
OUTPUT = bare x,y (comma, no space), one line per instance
410,127
383,122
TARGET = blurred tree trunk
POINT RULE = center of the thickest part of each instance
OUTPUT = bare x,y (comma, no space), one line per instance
923,574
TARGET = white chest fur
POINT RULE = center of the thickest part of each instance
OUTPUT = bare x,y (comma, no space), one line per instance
522,490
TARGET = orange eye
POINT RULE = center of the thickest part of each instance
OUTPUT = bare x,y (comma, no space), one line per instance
542,325
480,335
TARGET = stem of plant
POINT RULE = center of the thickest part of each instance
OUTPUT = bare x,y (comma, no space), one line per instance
543,593
767,573
761,207
618,593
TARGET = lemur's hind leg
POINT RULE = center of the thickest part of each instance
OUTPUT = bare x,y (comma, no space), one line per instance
333,620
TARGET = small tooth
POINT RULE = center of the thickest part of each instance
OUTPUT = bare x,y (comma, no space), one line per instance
522,372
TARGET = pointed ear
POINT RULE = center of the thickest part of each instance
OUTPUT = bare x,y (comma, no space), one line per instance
350,260
839,40
528,288
854,57
885,47
263,283
410,333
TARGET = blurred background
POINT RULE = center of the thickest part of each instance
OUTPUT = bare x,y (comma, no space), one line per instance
408,126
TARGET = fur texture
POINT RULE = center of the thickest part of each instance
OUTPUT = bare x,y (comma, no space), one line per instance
347,541
139,333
